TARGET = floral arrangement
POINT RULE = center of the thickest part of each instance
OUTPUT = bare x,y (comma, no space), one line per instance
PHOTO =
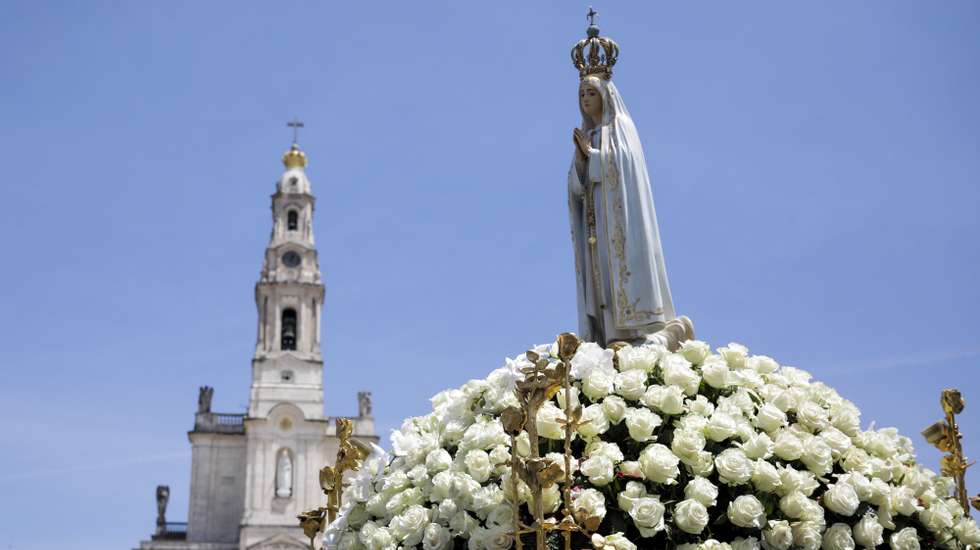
688,449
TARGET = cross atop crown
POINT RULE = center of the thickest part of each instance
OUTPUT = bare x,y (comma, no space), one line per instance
594,54
295,124
294,157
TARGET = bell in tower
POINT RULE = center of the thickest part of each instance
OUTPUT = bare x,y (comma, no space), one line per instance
289,330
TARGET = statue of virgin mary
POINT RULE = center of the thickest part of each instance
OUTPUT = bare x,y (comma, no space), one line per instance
621,279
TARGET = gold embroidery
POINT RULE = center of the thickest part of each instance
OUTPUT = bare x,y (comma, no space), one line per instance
625,309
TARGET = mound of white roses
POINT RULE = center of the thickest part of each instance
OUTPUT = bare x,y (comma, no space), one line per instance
691,449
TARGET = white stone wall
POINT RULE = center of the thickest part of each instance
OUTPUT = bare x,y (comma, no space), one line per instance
217,487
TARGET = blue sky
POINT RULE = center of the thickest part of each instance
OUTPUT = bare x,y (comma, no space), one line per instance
815,168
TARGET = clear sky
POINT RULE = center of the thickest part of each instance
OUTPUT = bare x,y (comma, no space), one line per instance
815,168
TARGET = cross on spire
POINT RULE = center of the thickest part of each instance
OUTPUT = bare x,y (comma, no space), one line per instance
295,124
591,15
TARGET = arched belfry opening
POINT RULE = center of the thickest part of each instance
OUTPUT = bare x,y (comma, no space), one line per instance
292,220
289,329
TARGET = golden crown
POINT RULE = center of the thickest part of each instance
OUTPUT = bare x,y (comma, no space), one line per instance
294,157
594,54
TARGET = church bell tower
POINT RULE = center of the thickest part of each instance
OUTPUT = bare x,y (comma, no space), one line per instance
287,366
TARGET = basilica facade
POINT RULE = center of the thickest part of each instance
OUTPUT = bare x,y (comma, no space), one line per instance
252,473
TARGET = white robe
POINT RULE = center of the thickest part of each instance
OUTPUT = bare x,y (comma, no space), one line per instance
633,294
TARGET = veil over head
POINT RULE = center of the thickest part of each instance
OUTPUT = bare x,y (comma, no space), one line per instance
640,295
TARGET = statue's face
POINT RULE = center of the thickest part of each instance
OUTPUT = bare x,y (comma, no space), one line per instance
590,100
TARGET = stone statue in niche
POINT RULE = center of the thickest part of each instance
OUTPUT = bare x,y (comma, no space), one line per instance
163,497
364,403
204,395
284,474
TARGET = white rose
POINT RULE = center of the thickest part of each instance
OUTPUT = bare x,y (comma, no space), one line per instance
409,526
746,378
841,498
770,418
786,400
615,408
615,541
966,530
758,445
716,374
437,461
720,427
551,499
734,354
817,456
632,491
486,498
589,357
904,501
765,477
548,421
846,419
631,468
793,504
868,532
671,400
812,416
597,384
478,465
690,516
906,539
864,488
838,537
604,448
484,434
463,524
695,351
839,442
641,423
631,384
693,422
734,468
447,509
702,464
599,469
642,358
500,455
677,371
806,535
750,543
778,535
590,503
762,364
403,500
379,539
648,515
497,537
787,446
659,464
747,511
701,490
593,422
687,443
700,406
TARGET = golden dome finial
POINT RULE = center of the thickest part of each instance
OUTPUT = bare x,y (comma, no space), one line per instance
294,157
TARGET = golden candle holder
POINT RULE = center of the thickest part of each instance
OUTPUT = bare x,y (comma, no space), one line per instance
542,380
945,435
349,458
